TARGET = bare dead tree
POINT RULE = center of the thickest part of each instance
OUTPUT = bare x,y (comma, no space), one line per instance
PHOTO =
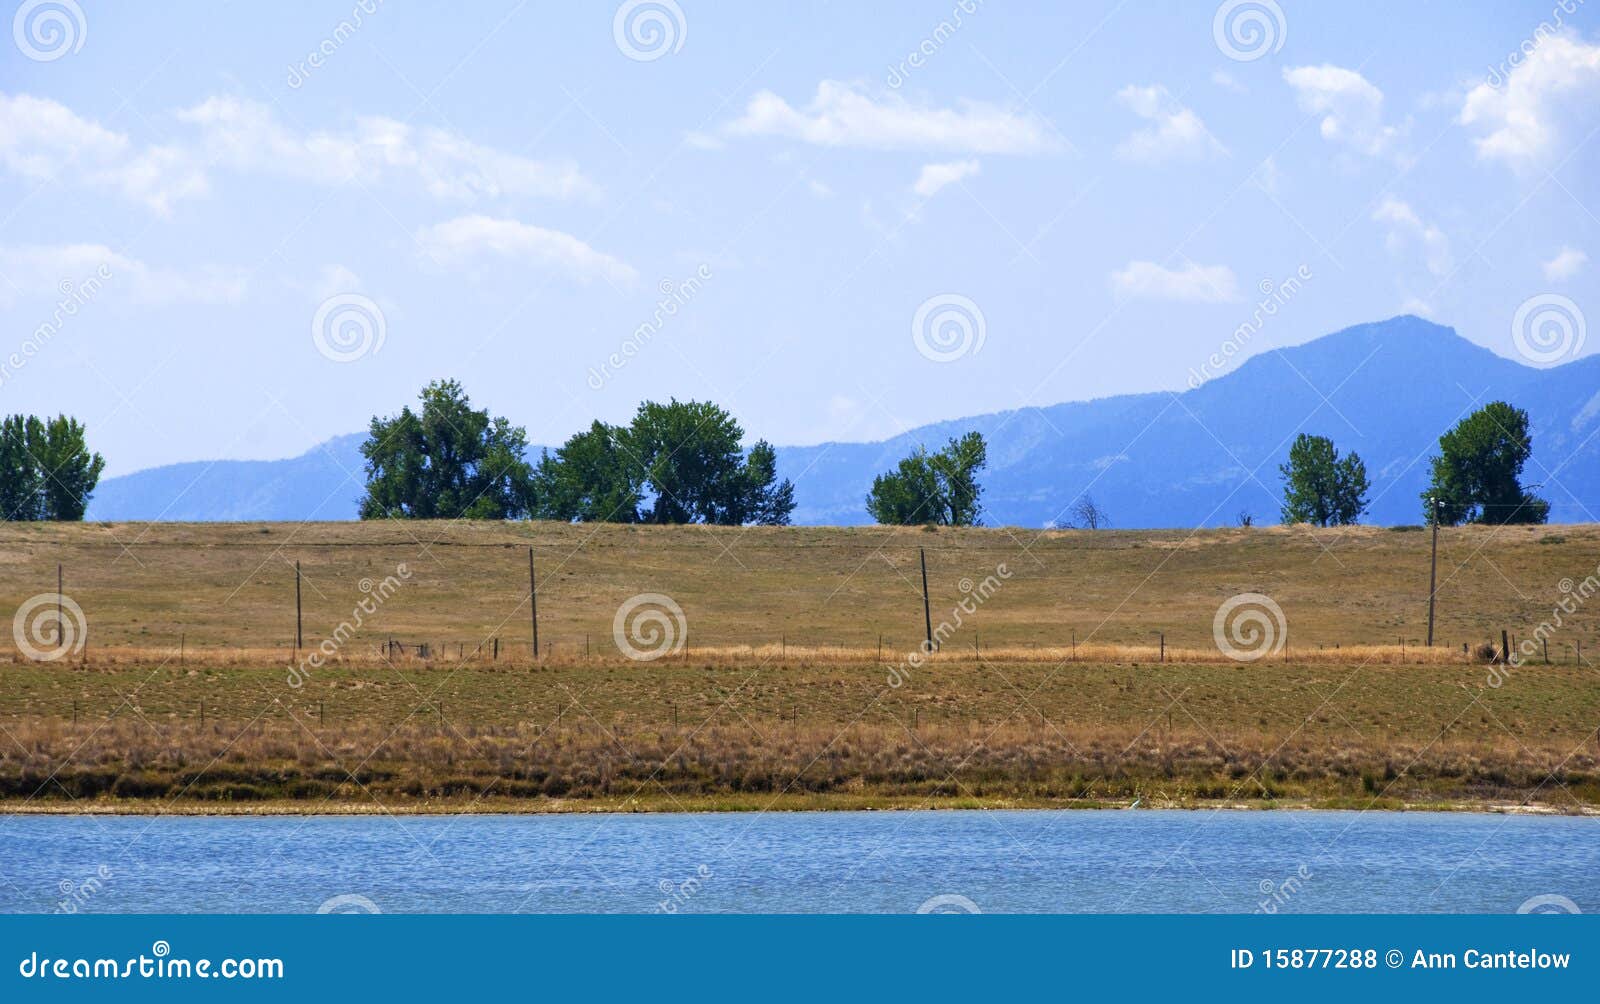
1087,514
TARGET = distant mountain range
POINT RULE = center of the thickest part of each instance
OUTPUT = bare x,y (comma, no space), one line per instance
1198,458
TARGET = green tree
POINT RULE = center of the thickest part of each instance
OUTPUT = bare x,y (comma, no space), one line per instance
1477,473
1320,487
47,471
446,461
20,498
590,479
679,462
70,470
933,488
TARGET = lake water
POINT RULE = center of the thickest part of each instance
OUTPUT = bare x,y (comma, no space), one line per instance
854,862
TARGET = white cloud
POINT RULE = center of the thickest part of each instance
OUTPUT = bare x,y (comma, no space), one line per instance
1566,264
1350,106
937,176
467,238
247,135
1224,80
841,115
1522,116
47,271
43,140
1176,132
1146,280
1406,226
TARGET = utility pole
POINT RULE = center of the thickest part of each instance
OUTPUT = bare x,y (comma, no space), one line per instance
533,600
61,634
299,636
1433,564
927,611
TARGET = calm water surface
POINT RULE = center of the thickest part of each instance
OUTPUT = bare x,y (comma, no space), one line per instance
852,862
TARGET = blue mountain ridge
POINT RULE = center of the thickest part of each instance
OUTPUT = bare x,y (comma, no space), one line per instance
1200,457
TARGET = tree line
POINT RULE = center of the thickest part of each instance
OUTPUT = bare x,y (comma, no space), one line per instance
683,462
47,471
678,462
1476,477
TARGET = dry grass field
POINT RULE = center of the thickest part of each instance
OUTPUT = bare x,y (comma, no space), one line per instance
232,585
1051,692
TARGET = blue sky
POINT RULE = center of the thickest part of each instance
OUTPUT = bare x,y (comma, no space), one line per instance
259,250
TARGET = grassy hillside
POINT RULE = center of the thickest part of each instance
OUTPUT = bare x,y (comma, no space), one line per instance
233,584
779,699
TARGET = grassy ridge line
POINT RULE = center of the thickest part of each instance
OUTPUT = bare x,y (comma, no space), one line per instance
232,585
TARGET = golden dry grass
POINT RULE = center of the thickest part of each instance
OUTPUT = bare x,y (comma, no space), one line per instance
232,585
780,698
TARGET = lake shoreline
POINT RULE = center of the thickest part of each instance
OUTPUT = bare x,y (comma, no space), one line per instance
561,807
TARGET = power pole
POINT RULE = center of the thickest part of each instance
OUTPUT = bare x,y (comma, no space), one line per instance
1433,565
927,611
533,599
61,635
299,635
